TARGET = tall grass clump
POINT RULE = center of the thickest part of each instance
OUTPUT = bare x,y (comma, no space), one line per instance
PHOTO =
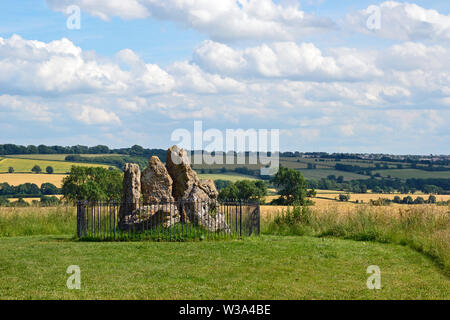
32,221
425,229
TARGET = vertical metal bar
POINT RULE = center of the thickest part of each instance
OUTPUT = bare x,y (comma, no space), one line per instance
170,220
236,217
147,217
98,220
259,219
180,226
130,217
142,218
240,218
215,227
152,220
104,220
114,213
93,219
94,213
78,221
90,219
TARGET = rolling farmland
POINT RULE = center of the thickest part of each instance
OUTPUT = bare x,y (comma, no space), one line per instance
414,173
15,179
57,157
233,177
317,174
25,165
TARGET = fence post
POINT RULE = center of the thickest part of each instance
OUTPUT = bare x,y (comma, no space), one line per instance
80,219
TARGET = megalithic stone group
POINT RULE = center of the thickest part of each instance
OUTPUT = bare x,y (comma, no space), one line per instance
176,182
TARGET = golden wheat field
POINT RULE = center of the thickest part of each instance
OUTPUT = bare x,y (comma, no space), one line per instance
346,209
15,179
366,197
325,199
30,200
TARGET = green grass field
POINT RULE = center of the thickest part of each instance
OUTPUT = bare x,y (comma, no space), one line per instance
414,173
317,174
267,268
37,246
233,177
25,165
57,157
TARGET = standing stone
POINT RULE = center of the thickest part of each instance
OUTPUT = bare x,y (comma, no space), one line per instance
156,183
131,193
199,197
184,178
209,188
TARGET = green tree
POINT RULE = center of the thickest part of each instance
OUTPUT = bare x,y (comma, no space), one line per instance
291,186
47,201
431,199
36,169
222,184
92,184
11,170
363,188
408,200
49,189
419,200
49,170
4,202
311,193
244,190
229,193
20,203
377,189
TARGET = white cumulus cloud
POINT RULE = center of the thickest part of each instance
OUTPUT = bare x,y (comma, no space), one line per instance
286,60
91,115
402,21
225,20
60,67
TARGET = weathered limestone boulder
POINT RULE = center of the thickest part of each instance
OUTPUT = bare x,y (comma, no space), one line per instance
158,208
131,193
162,187
183,176
152,216
156,183
209,188
206,214
199,197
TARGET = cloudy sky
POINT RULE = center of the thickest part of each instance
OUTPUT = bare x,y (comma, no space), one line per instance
335,76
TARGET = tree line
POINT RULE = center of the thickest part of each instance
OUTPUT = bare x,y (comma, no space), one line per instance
136,150
115,161
428,186
44,201
28,189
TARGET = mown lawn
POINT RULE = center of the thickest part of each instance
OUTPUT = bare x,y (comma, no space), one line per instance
270,267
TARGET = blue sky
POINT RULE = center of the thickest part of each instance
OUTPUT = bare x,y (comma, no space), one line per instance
139,69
